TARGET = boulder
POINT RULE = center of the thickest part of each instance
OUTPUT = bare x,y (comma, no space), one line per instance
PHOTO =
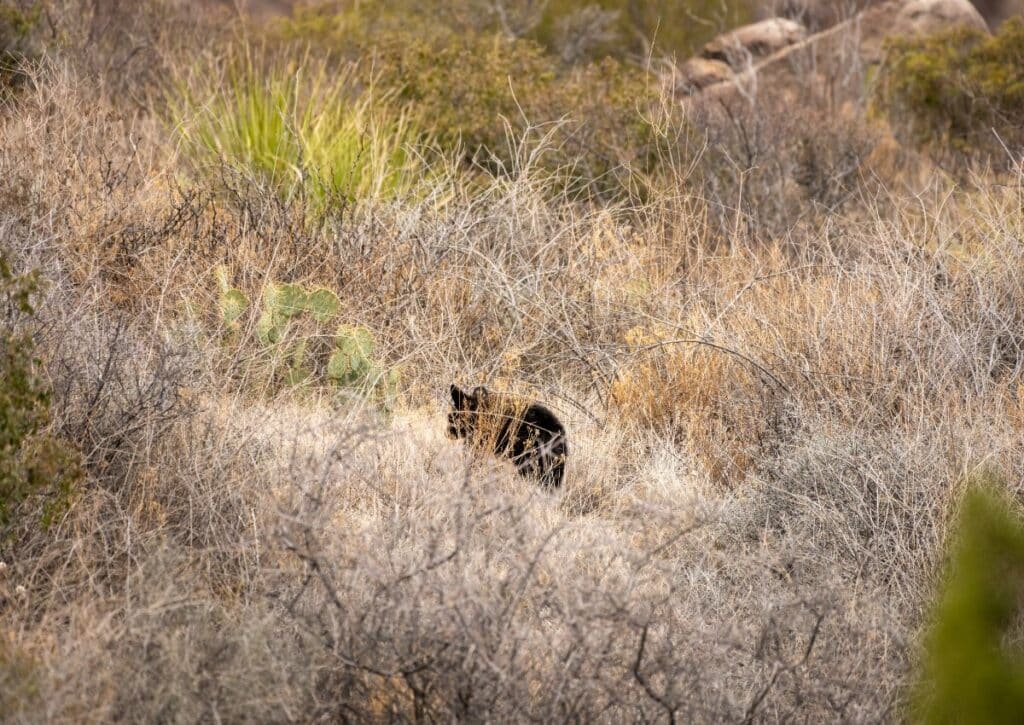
699,73
918,17
841,51
911,18
754,41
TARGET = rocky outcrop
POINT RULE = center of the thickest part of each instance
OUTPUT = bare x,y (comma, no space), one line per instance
839,50
754,41
910,18
699,73
927,16
820,15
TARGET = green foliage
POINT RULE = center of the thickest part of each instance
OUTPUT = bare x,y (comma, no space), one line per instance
478,89
572,31
635,28
957,90
972,673
304,131
19,21
31,462
232,301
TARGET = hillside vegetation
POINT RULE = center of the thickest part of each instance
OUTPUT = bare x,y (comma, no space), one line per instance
242,266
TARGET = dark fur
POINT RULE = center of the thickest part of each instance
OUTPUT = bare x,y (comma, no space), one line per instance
528,434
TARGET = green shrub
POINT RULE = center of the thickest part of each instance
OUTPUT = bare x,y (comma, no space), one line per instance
483,93
300,128
591,29
19,21
31,462
972,672
956,91
571,31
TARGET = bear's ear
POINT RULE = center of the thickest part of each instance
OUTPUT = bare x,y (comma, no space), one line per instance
458,397
480,393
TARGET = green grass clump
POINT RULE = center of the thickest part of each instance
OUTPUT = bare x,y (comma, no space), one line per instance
298,127
973,673
959,92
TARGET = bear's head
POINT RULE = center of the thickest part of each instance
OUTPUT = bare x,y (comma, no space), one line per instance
466,407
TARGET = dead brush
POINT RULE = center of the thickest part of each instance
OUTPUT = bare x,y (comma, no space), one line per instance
728,416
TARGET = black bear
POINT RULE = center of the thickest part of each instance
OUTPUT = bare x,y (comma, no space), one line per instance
528,434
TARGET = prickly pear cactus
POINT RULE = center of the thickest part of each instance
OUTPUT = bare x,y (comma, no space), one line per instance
351,363
280,302
286,300
291,325
323,304
232,302
269,329
298,372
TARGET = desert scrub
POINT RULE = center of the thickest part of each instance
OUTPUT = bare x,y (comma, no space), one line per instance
958,92
728,410
304,130
482,94
486,95
19,679
32,463
573,31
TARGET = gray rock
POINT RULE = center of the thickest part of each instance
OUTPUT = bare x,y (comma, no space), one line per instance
699,73
750,42
836,52
910,18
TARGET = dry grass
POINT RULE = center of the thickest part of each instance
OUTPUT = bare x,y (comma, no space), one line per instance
767,434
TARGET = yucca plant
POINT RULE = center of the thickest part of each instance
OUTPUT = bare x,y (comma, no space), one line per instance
297,126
